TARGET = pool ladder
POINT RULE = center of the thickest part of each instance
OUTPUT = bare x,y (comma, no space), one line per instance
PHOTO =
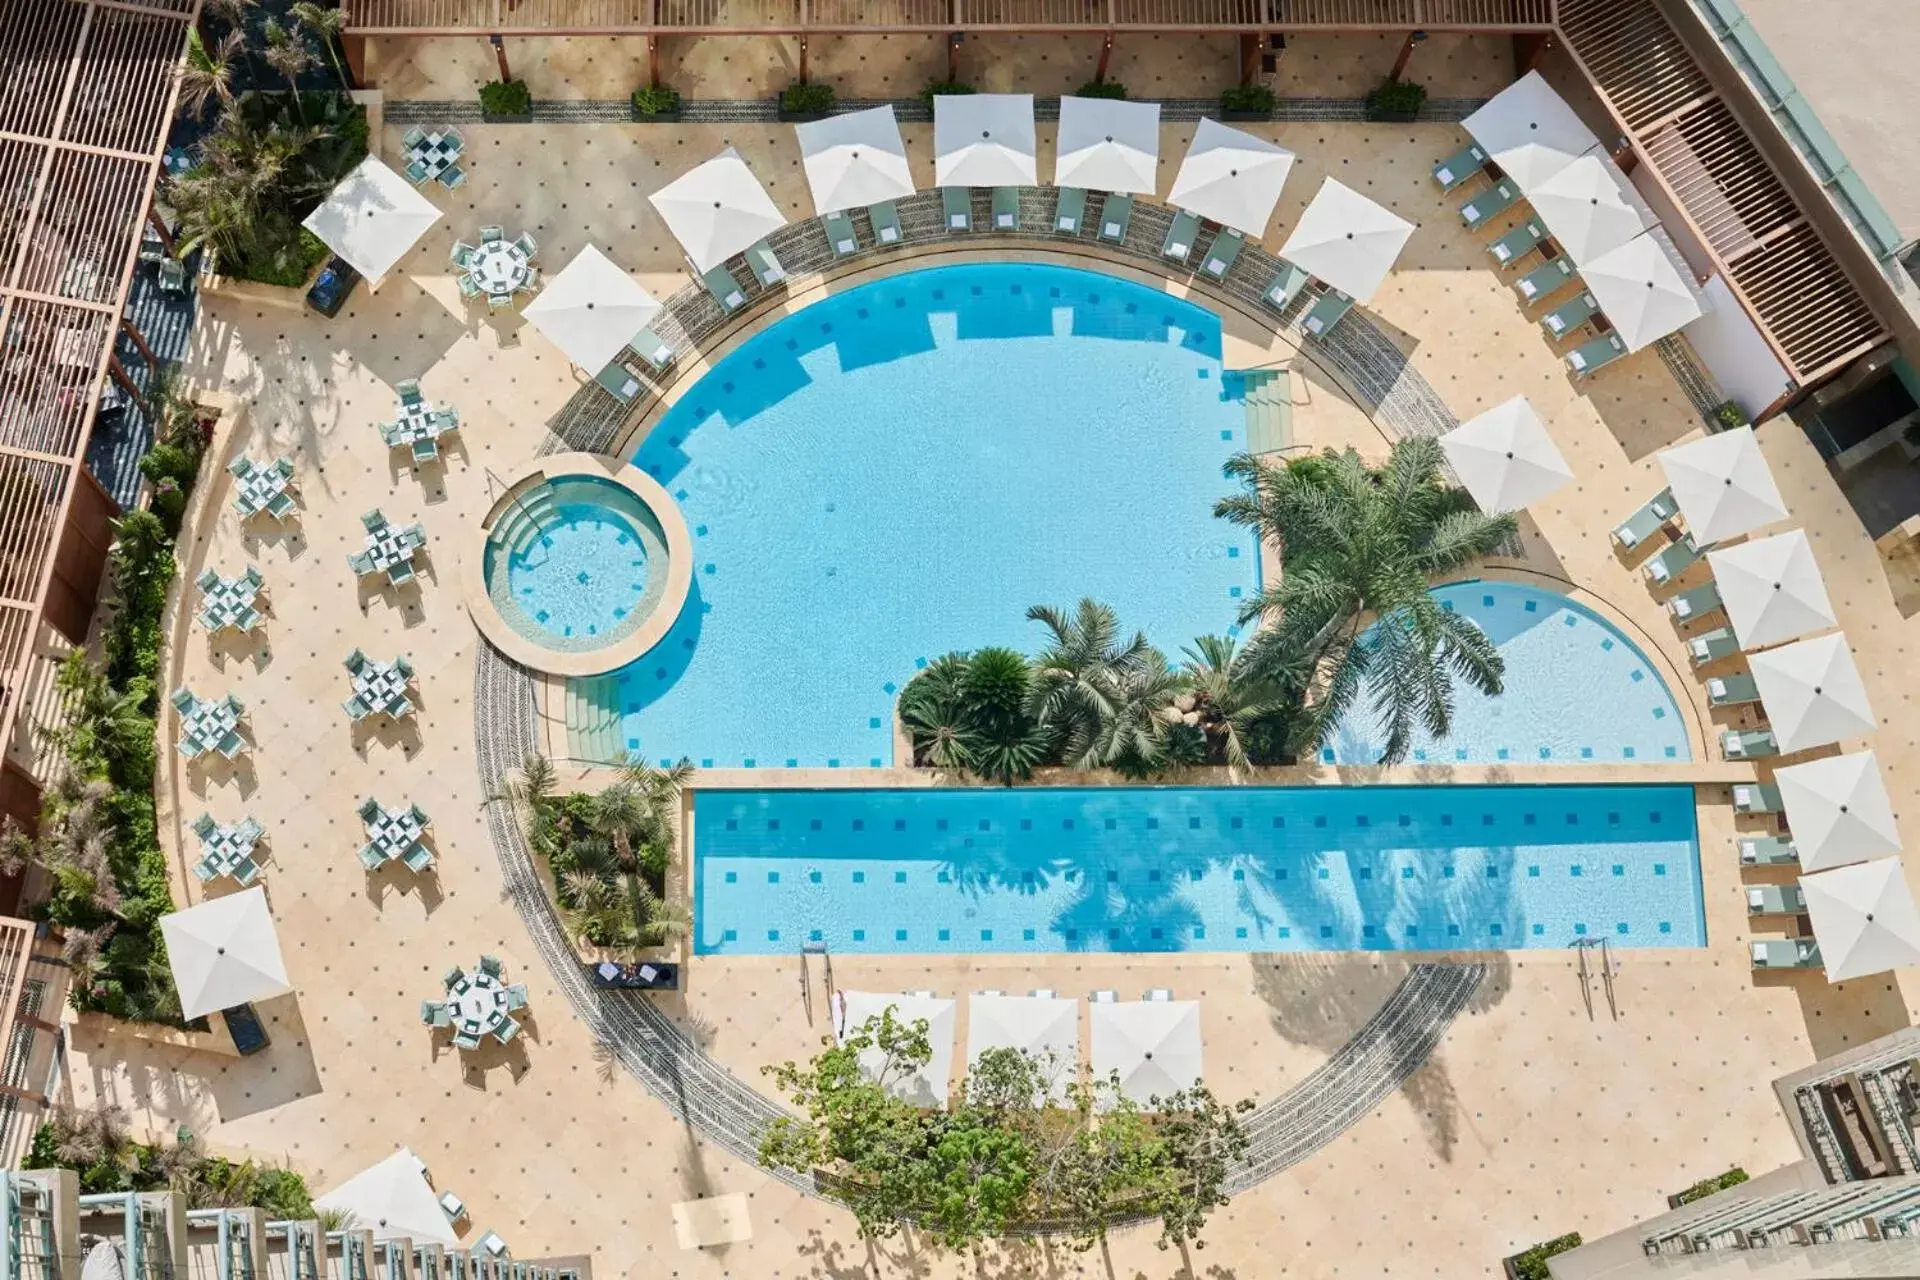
806,982
1583,946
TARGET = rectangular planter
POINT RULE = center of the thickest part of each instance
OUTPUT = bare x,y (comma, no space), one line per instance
1391,117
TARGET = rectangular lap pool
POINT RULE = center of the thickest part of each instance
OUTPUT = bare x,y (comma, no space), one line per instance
1195,869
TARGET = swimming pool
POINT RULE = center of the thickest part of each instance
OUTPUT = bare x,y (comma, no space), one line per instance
902,469
1194,869
1577,691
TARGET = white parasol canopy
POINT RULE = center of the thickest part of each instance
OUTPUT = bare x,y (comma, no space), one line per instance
392,1200
984,140
1530,131
1046,1027
372,218
1231,177
591,309
1644,289
1864,917
1812,693
1505,457
1838,809
854,160
1772,589
1153,1044
1589,208
1108,144
928,1086
717,209
1347,240
224,952
1723,485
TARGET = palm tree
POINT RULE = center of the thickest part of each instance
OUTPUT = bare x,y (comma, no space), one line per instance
325,26
526,793
1226,703
1075,676
288,54
937,715
634,816
1011,742
207,73
1131,735
234,13
1362,545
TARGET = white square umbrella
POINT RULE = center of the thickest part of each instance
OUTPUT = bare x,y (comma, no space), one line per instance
1154,1045
1530,131
591,309
1347,240
1838,809
984,140
224,952
1108,144
1046,1027
928,1086
392,1200
1864,917
1771,589
854,160
371,218
1723,485
1231,177
717,209
1812,693
1589,208
1505,457
1644,289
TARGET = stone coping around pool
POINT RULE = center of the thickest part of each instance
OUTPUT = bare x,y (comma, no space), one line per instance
591,662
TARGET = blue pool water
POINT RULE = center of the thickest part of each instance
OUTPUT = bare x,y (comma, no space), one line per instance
1577,691
577,564
902,469
1195,869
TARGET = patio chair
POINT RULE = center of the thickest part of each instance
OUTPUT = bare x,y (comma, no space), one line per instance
461,1040
400,573
1767,851
1647,521
360,562
1596,355
190,747
1222,252
652,348
1690,606
183,700
419,815
765,267
207,580
1285,286
371,858
373,521
461,256
419,858
280,506
469,287
1544,279
1732,691
453,975
1178,242
400,710
1517,243
445,419
492,1244
1775,900
886,223
1006,208
369,810
1460,167
492,235
434,1013
1787,953
426,450
956,208
516,996
618,383
491,966
527,244
413,137
232,745
253,577
1483,207
404,665
1329,310
1712,646
285,467
449,134
1671,561
1116,215
453,177
1756,797
838,228
417,172
240,468
1070,210
357,708
1569,315
722,287
234,704
390,432
408,389
1159,995
355,661
506,1031
1748,744
246,872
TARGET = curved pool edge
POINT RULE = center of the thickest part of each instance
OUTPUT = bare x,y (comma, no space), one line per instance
589,662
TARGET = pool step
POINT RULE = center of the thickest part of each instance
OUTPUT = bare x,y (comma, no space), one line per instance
1267,395
523,521
593,719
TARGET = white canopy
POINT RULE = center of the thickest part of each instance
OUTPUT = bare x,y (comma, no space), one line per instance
1864,917
591,309
1231,177
1505,457
1347,240
1644,288
1589,207
1771,589
392,1200
372,218
1108,144
1723,485
928,1086
1529,131
1838,809
224,952
1812,693
854,160
717,210
984,140
1044,1026
1153,1044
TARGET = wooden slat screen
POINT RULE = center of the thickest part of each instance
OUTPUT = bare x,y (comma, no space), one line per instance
80,240
37,40
48,355
119,99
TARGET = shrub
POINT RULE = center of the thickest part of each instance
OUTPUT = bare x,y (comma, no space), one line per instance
655,100
1729,416
1710,1186
506,98
108,1160
1101,89
1249,97
800,98
1532,1265
945,89
1395,99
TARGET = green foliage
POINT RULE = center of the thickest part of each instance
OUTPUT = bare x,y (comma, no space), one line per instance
803,98
655,100
1101,89
1532,1265
1249,97
1005,1156
945,89
1395,100
1710,1186
506,98
96,1146
969,712
1729,416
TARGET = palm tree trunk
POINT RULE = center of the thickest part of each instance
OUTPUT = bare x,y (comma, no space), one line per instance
630,868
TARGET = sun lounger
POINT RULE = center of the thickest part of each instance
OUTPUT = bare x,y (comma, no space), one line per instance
723,288
1006,208
956,208
1671,561
1756,797
1596,355
1116,215
1748,744
1647,521
1487,205
1774,900
1329,310
1159,995
1787,953
1712,646
1285,286
886,223
1460,166
1732,691
1691,606
765,267
433,1013
1544,279
1767,851
1178,242
840,237
618,383
1517,243
652,348
1221,254
1104,997
1569,315
1069,211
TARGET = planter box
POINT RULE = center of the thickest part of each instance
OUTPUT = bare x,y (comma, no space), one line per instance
653,117
522,118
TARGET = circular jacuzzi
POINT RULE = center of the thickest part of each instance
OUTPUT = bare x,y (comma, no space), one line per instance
583,566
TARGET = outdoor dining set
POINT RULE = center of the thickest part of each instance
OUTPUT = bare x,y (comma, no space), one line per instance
227,850
262,487
420,426
394,835
433,155
476,1005
208,727
379,688
496,268
230,602
389,549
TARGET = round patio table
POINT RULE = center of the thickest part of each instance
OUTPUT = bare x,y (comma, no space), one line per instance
478,1004
499,266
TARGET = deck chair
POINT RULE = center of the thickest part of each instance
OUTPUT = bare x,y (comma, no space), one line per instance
356,661
723,288
765,267
1775,900
1070,210
1178,242
1329,310
1460,167
1671,561
886,224
1767,851
1748,744
840,237
453,177
1484,206
1221,253
652,348
1732,691
527,244
1517,243
1544,279
1116,215
1285,286
956,208
1647,521
1756,797
426,450
1690,606
1596,355
373,521
461,255
492,235
183,700
1006,208
1569,315
1712,646
618,383
1787,953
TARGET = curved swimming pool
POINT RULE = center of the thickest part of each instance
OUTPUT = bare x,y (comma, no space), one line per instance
1577,691
902,469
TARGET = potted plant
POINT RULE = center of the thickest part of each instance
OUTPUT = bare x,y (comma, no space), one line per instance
945,89
1728,416
802,101
1396,100
1247,102
506,102
656,102
1101,89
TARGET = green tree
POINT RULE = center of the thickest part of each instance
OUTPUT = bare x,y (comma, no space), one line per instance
1230,705
970,712
324,25
937,716
1078,676
288,54
1360,548
207,73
